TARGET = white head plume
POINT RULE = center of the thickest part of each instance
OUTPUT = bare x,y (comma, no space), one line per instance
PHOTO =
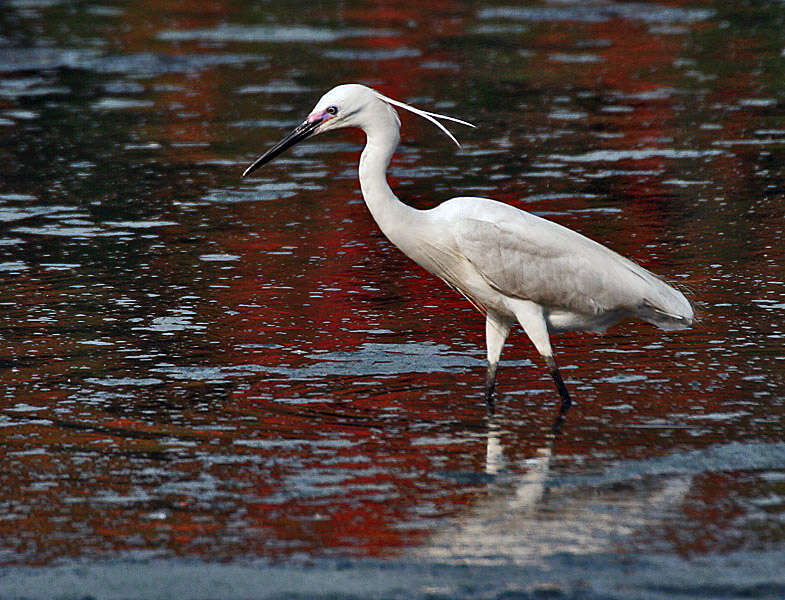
426,115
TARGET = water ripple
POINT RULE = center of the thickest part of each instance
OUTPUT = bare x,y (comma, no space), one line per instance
271,33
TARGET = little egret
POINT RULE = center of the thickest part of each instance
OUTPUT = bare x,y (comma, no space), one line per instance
508,263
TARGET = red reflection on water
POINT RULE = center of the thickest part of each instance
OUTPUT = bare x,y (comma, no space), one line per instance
368,463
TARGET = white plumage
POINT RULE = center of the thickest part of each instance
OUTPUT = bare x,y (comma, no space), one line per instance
512,265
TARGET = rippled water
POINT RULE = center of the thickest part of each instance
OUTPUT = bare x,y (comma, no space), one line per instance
240,387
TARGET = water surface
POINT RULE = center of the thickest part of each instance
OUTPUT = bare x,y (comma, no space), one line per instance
241,383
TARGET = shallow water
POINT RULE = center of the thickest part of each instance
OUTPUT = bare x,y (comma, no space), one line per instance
242,384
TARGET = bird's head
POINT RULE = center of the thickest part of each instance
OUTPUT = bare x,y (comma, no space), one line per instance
348,105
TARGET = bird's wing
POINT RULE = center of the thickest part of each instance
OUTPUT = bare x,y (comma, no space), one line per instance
525,256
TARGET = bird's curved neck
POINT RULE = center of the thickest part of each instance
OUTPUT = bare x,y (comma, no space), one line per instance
387,210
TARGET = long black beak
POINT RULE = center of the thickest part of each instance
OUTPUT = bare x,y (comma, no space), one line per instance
301,132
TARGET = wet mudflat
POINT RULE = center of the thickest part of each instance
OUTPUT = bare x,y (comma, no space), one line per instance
215,387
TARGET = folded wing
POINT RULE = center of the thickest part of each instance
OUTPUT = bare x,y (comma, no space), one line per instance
524,256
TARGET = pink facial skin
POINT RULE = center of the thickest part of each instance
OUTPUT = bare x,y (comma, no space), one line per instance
318,116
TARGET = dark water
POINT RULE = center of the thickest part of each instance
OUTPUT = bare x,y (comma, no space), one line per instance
215,387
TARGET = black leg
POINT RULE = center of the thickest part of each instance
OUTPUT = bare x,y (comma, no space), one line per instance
566,401
490,389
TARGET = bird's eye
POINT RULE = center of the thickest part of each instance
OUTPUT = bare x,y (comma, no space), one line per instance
333,110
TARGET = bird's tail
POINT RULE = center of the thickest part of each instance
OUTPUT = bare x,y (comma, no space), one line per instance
676,313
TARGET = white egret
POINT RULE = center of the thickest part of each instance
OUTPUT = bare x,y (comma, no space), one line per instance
510,264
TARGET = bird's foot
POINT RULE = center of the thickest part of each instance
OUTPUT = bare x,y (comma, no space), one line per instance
562,416
490,389
490,399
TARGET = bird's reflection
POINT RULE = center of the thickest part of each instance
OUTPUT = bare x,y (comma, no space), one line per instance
494,453
527,512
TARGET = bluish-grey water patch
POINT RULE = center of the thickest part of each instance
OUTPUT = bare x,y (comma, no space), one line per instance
125,381
10,214
736,456
619,155
371,359
274,87
140,224
271,34
121,104
14,266
29,87
734,575
650,13
140,64
373,54
264,191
